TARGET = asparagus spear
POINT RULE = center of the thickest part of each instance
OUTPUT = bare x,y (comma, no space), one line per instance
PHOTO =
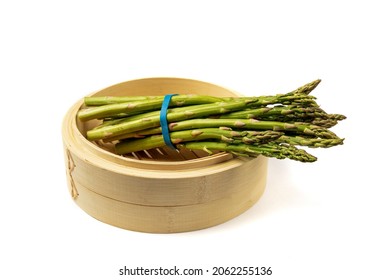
247,124
307,88
310,142
105,100
325,122
281,112
221,134
134,107
280,151
298,127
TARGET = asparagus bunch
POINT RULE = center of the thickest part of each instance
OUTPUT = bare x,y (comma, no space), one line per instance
270,125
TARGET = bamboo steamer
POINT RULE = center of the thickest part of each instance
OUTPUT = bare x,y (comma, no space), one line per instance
160,190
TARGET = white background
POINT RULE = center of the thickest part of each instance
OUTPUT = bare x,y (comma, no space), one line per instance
326,220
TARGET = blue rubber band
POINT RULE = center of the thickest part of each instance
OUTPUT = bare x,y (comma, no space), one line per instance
164,120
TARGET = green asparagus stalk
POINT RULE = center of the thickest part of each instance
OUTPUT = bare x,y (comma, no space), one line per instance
247,124
281,112
135,107
307,88
285,99
220,134
326,123
298,127
279,151
105,100
278,137
310,142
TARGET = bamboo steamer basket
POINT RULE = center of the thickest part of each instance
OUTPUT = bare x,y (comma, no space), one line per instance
160,190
